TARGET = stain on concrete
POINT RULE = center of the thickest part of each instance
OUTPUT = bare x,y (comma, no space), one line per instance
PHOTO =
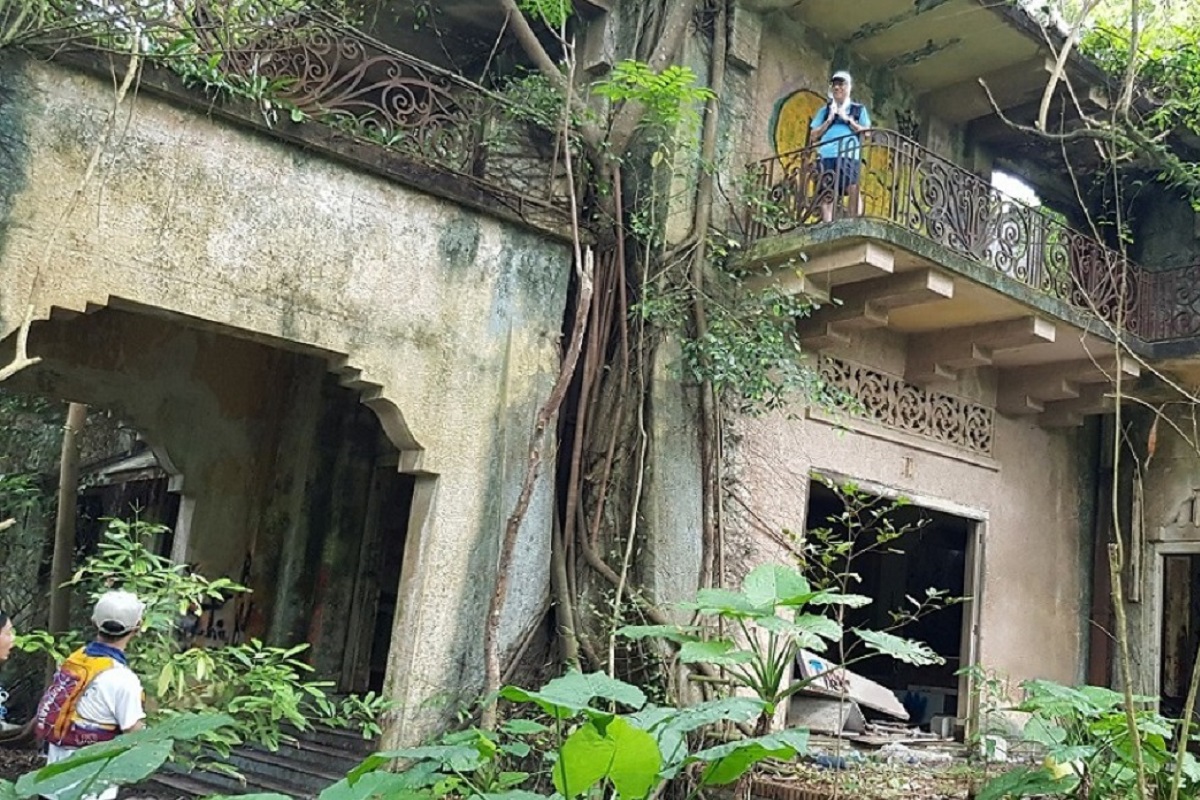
14,155
459,241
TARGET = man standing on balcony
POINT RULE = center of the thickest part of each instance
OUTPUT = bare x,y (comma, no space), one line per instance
838,127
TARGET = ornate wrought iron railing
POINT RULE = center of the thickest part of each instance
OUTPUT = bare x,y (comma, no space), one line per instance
1171,303
343,77
900,181
315,66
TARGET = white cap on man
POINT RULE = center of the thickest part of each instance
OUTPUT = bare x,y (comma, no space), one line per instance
842,75
118,613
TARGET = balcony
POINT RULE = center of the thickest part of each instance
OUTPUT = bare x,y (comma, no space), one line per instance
378,108
968,276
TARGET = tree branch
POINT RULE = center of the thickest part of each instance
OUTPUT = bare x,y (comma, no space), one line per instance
21,359
675,27
528,40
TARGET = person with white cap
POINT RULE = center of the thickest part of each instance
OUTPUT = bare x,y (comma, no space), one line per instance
838,126
94,696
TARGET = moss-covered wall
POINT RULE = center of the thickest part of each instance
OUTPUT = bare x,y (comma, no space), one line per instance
444,321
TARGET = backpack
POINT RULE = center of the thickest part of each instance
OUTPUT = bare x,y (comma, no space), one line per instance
856,111
56,720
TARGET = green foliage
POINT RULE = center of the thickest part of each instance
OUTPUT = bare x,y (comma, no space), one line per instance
771,614
260,687
1166,65
779,611
671,96
1089,747
552,13
128,759
750,352
588,749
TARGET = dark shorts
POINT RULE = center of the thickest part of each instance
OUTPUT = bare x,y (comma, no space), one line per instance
841,171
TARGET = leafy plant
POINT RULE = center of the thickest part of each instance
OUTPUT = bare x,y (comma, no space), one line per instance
584,747
552,13
671,96
1089,750
776,614
259,686
128,759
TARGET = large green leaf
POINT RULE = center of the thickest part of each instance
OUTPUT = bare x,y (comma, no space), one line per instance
727,762
90,777
907,650
129,758
715,651
826,598
625,755
771,585
820,625
374,785
456,757
727,603
673,633
573,692
514,794
1024,782
670,726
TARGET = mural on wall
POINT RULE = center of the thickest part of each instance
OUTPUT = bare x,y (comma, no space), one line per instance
789,131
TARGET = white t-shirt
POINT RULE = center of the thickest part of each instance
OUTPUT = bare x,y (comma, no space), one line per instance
114,697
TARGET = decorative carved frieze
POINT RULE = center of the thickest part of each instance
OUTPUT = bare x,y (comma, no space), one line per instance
892,401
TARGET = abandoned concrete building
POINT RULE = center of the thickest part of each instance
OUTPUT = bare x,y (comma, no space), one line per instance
337,349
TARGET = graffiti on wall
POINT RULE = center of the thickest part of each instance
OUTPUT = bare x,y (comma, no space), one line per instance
222,621
790,131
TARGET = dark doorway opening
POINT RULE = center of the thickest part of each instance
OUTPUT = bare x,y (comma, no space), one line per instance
937,553
1180,628
377,588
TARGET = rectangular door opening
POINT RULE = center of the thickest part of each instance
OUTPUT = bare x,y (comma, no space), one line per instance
1180,628
939,553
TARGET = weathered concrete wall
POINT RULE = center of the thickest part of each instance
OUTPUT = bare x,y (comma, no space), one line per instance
451,318
1033,497
1169,524
793,58
1166,230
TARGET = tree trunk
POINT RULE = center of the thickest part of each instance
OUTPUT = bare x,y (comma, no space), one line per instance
64,527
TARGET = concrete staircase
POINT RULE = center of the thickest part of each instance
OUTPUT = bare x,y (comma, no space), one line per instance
317,759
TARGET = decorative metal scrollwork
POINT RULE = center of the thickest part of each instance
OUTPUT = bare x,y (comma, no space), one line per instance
910,186
889,400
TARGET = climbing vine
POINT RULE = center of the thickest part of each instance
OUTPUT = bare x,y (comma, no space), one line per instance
625,132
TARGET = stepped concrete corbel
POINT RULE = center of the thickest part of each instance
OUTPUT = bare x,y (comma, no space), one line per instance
822,271
866,304
1094,399
938,357
1027,390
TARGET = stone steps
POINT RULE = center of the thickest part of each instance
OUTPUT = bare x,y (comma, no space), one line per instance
301,769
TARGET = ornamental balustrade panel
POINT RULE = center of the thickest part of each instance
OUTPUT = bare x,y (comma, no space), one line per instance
891,401
314,65
1171,303
907,185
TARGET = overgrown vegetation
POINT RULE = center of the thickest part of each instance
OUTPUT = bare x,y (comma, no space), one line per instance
260,688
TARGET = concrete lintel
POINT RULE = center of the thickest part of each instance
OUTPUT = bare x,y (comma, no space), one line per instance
847,316
822,337
790,282
1016,405
745,35
1056,381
